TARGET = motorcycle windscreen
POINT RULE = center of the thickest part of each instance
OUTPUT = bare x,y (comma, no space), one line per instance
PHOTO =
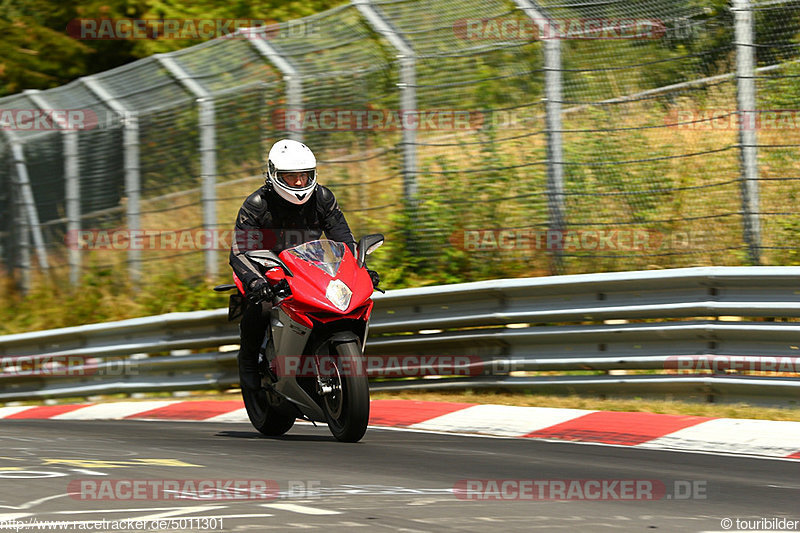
323,254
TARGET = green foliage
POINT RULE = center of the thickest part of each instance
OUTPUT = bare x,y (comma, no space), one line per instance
104,295
36,57
37,53
710,36
490,182
781,89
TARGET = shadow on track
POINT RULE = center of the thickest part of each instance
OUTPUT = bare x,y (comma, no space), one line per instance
285,437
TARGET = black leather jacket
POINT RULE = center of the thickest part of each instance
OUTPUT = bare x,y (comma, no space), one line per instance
267,221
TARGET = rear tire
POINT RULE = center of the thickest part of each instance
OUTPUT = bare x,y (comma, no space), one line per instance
263,416
347,410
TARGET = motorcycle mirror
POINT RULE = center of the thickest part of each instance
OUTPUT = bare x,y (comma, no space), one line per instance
367,245
268,258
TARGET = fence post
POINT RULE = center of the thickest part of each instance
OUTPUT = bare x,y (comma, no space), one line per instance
28,215
408,102
71,188
748,142
19,229
7,207
553,98
294,85
208,151
22,264
133,186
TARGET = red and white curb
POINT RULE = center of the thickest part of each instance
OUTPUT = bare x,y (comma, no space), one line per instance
763,438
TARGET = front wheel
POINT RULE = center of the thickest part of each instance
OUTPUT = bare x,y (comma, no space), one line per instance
347,405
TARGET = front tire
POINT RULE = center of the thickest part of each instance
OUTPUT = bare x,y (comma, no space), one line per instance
262,415
347,408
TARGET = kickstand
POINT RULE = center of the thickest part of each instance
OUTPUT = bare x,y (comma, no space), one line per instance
304,417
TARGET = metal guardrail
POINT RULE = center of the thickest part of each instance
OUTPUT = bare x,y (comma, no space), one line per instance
502,329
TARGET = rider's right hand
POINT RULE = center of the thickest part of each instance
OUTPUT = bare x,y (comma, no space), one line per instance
281,289
375,277
258,291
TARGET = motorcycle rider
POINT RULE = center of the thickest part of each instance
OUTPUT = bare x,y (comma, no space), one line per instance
289,209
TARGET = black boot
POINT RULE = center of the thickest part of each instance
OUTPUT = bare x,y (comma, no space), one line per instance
248,370
252,329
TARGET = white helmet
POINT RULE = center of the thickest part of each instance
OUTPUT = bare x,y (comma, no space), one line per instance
287,155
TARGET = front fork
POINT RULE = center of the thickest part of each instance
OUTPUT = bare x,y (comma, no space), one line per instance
331,382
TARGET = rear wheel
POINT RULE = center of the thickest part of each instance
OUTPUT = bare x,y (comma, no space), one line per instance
263,415
347,405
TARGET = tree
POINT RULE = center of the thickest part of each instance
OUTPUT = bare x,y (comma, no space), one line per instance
38,52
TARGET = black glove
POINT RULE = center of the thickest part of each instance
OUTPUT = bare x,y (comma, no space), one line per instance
281,289
258,291
376,279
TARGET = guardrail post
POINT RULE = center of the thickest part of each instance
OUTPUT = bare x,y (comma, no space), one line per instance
748,142
408,100
553,98
208,151
294,84
133,187
71,188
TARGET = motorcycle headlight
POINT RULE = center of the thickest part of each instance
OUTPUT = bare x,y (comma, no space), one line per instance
339,294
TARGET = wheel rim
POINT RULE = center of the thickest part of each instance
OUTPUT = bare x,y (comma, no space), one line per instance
334,401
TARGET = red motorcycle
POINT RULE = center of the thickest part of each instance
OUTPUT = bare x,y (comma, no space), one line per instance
311,361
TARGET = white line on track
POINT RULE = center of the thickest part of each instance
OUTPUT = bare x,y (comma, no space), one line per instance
33,503
219,516
180,511
137,510
302,509
8,517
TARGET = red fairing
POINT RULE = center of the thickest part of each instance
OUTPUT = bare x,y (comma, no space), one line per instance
274,275
238,283
310,283
360,313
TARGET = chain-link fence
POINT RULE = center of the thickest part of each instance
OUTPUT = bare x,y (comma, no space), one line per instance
485,138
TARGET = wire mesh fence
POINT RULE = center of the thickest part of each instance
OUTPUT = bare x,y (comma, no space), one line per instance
485,138
777,43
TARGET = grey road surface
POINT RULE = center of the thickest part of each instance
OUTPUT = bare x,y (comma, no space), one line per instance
178,476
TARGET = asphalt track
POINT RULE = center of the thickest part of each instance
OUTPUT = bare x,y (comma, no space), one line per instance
393,480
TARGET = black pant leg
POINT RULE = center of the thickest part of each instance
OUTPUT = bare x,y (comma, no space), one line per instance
252,329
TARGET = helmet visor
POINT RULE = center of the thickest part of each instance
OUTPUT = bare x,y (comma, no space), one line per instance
296,179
